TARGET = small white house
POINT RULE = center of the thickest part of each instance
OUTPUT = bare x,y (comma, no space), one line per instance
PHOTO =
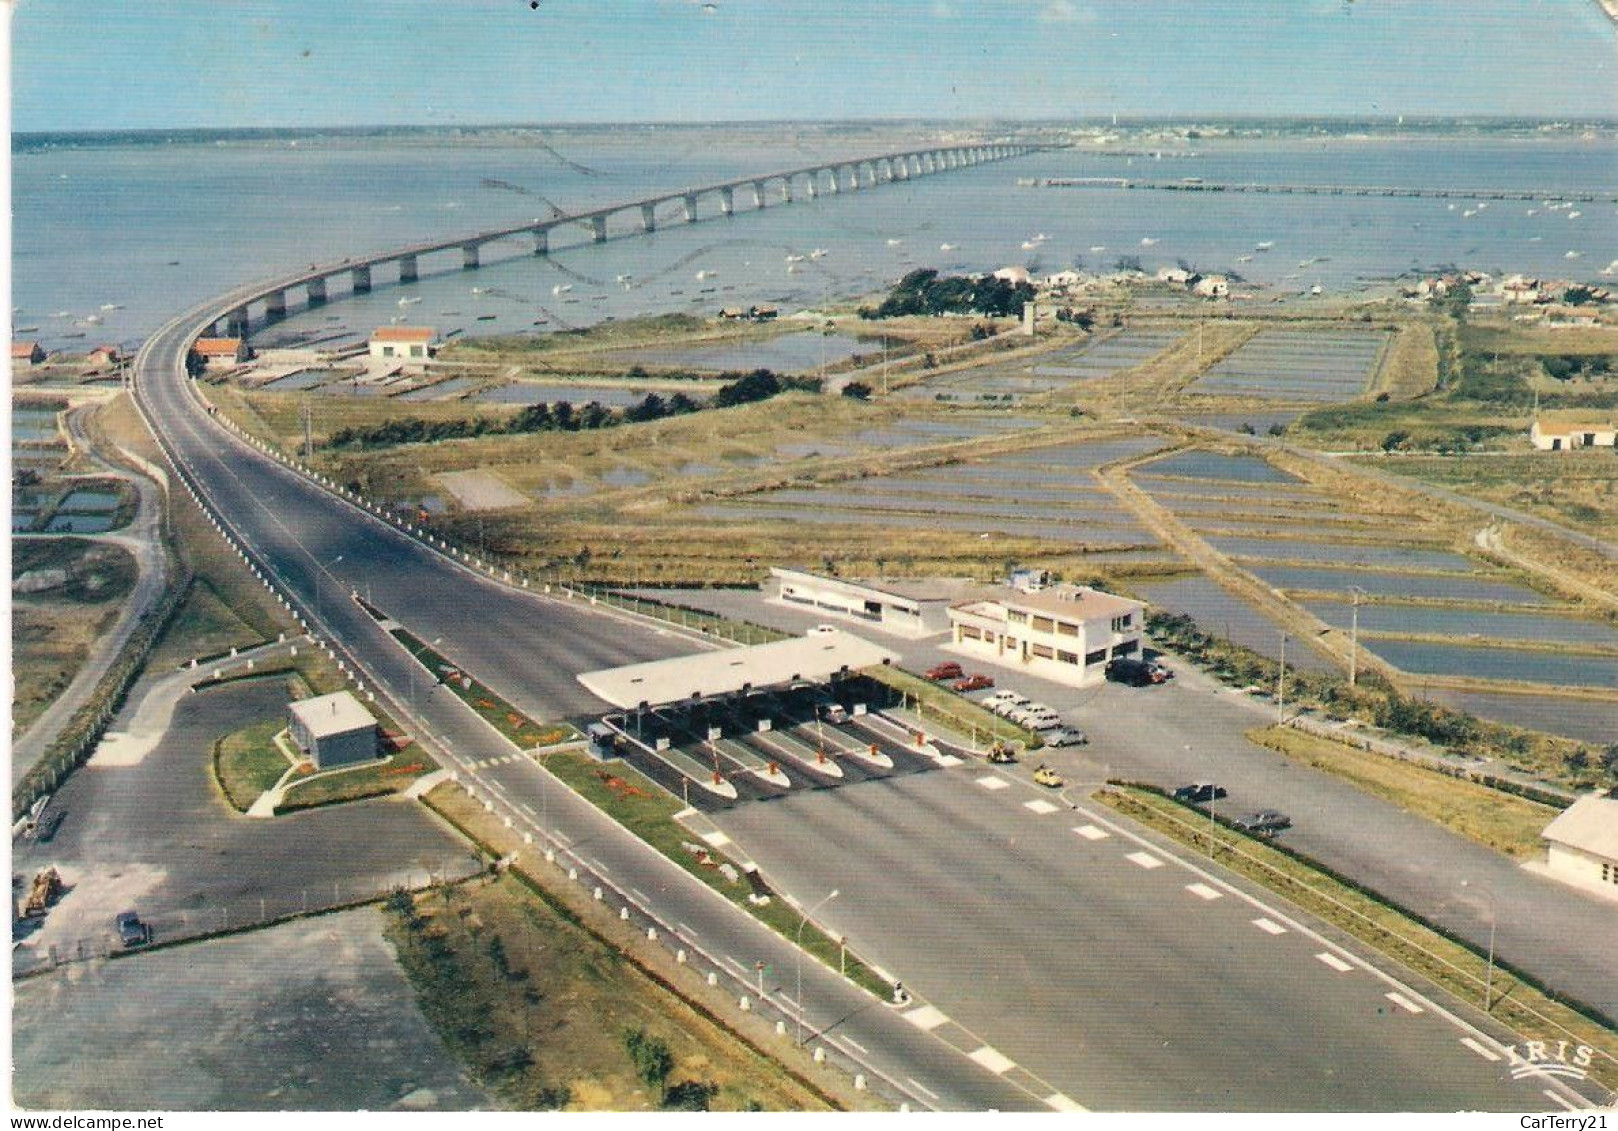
1013,274
334,730
221,353
1560,436
1212,286
1582,844
410,343
1173,275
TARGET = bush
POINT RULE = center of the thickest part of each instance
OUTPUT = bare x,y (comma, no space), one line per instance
690,1095
652,1058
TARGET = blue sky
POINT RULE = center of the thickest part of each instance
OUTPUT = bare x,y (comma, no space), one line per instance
118,64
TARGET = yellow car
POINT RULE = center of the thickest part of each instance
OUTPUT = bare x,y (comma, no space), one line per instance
1048,777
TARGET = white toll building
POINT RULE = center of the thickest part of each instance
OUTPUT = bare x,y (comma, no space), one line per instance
1582,844
334,730
913,607
1066,633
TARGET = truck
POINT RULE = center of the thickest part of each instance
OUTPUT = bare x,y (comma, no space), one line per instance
44,891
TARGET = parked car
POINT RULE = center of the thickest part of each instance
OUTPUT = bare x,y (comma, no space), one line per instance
949,670
999,697
1043,723
1048,777
131,931
1266,822
977,681
1010,707
1136,673
835,713
1065,736
1199,793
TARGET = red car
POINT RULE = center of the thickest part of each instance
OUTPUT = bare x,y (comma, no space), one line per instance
949,670
977,681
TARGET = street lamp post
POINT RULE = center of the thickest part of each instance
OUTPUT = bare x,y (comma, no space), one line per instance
1281,684
320,588
416,654
1494,917
1355,593
804,922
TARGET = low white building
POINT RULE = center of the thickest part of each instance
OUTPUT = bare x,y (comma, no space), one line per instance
334,730
1560,436
1212,286
1582,844
410,343
1012,274
221,353
913,607
1066,633
1173,275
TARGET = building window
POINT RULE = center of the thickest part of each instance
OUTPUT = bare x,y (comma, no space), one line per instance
1096,657
1063,628
1123,623
970,633
1043,624
417,351
1068,657
1016,616
1126,648
1042,651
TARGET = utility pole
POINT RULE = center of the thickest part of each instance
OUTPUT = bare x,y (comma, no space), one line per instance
1281,684
308,432
1355,593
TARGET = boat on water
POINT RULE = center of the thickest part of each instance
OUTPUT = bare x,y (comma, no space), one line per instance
1148,241
1574,255
409,301
701,275
480,290
1574,215
112,306
27,329
946,247
818,253
561,288
895,243
1097,249
1244,259
795,259
487,317
625,278
1264,245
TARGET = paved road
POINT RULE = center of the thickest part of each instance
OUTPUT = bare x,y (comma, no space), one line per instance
1192,730
143,540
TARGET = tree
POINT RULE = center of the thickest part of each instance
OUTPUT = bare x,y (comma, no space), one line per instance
690,1095
858,390
652,408
651,1056
1395,440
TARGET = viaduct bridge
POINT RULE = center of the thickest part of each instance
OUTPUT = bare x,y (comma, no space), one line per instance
1197,185
830,177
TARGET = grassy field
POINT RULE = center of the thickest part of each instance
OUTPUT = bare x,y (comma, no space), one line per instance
374,779
52,631
1503,822
1452,966
1576,488
1411,368
247,762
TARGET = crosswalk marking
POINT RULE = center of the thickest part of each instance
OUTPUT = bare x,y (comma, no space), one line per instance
994,1060
1090,832
994,782
1334,962
926,1018
950,760
716,839
1039,805
1483,1051
1269,926
1404,1003
1144,860
1202,891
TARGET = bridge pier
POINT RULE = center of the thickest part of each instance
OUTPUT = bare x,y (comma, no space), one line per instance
361,277
648,218
598,229
469,256
758,194
690,208
236,322
407,268
275,306
786,190
317,291
812,186
542,241
727,201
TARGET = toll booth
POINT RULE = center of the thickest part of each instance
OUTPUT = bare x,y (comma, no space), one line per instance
604,742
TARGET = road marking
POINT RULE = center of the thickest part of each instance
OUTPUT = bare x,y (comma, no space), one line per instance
1144,860
1481,1050
1202,891
993,782
687,930
1059,1102
852,1043
926,1018
1334,962
1559,1099
923,1089
1269,926
950,760
527,808
1039,805
640,895
1403,1002
597,865
994,1060
1090,832
716,839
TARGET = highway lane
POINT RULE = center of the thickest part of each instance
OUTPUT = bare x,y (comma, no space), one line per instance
301,530
1113,981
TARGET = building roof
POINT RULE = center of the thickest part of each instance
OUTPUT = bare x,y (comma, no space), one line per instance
403,334
1566,428
23,349
1590,824
921,589
1069,601
814,657
337,713
206,346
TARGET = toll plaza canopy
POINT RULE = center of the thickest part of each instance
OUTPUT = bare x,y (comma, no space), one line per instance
812,658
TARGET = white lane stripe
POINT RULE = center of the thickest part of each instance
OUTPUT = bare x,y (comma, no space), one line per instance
1058,1102
993,782
527,808
922,1088
1560,1100
1203,891
716,839
926,1018
683,929
948,760
1481,1050
1334,962
1090,832
852,1043
1403,1002
993,1059
597,865
1145,860
640,895
1039,805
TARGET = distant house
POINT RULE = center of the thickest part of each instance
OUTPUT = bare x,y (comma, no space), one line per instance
103,357
221,353
1212,286
1174,275
1012,274
26,354
411,343
1520,290
1582,844
732,313
763,313
1561,436
1064,279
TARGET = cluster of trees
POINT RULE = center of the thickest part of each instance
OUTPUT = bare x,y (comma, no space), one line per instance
654,1064
562,416
1564,367
925,291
